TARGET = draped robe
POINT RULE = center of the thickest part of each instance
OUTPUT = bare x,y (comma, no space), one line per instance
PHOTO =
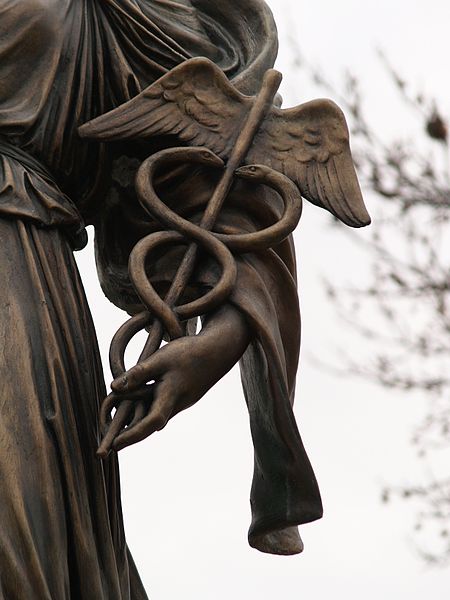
63,62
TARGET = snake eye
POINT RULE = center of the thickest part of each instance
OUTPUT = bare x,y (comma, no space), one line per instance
206,154
252,169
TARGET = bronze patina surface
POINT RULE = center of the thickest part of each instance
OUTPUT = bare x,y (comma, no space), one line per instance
157,122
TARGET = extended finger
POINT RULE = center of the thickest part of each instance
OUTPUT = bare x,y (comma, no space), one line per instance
117,424
112,401
113,426
159,413
140,411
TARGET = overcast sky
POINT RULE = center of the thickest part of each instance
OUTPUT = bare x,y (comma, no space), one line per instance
185,490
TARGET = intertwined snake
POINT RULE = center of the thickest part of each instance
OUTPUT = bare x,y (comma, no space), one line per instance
167,316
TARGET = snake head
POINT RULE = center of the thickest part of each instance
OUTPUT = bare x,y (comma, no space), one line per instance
205,156
257,172
199,155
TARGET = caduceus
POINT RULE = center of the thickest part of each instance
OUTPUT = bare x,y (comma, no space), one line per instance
301,151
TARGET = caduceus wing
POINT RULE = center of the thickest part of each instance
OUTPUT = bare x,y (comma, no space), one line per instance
310,144
194,101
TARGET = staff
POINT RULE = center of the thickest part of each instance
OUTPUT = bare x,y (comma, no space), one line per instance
308,143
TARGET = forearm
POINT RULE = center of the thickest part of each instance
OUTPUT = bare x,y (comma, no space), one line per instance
225,336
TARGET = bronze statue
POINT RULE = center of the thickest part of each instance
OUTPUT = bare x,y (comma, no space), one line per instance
96,93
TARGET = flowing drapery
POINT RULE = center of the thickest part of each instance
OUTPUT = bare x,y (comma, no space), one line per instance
63,62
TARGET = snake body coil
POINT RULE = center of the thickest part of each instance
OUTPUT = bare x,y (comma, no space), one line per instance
179,230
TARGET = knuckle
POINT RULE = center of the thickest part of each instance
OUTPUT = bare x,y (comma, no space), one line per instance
160,419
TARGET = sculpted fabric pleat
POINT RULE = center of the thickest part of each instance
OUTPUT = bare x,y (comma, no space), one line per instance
54,495
63,62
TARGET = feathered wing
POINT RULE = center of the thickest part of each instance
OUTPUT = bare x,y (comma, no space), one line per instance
310,144
194,101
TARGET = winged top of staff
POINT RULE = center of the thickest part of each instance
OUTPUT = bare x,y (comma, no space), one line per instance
196,102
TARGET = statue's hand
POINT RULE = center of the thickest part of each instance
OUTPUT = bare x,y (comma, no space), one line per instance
182,372
173,378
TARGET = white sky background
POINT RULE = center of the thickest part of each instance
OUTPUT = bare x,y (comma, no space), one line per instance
185,490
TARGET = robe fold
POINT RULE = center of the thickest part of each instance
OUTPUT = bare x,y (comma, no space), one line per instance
63,62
